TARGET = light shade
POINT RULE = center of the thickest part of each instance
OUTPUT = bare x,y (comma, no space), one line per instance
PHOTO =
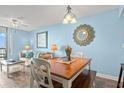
69,17
27,47
54,47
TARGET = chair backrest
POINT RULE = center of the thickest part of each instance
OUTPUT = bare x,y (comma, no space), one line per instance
40,72
37,54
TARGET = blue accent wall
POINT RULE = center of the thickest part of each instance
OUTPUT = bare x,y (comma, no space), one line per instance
106,51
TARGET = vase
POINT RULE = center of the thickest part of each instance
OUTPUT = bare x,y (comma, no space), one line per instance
68,54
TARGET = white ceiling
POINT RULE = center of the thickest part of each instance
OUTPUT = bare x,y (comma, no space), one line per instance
44,15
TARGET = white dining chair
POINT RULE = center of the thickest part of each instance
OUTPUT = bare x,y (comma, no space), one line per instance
40,73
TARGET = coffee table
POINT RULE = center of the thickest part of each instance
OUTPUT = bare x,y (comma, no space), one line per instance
8,63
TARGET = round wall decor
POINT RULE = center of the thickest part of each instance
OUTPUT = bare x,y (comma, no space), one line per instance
83,35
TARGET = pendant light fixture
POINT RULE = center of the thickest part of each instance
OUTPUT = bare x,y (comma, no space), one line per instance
69,16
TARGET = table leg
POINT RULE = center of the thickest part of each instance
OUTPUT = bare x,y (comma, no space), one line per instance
67,83
8,71
119,79
89,66
31,82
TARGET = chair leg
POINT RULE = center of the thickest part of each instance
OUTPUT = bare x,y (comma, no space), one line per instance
89,65
119,79
123,82
93,85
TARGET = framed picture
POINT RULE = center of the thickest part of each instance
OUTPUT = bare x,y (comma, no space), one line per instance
42,40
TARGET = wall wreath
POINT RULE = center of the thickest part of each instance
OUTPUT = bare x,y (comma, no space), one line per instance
83,35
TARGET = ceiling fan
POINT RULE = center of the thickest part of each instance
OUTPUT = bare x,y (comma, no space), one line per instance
15,22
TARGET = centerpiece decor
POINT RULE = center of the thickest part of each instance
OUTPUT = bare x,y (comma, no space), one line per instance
68,50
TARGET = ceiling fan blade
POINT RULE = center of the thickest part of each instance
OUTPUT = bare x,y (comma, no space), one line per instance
24,24
3,18
18,21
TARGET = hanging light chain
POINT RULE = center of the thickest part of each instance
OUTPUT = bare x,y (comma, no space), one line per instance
68,9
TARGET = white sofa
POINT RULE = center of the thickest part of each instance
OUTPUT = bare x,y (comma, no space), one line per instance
22,56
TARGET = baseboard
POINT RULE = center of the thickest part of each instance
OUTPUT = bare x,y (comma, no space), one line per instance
107,76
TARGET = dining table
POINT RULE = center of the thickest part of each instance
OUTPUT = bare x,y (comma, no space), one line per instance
66,72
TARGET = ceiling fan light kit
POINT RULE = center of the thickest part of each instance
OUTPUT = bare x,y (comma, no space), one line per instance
15,22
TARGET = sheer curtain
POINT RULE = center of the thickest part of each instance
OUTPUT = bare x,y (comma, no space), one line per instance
9,42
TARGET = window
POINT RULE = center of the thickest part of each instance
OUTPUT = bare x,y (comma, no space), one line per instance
3,53
2,40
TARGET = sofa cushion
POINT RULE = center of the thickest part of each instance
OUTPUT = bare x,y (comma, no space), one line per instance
29,54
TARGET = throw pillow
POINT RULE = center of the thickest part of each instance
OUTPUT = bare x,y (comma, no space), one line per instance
29,54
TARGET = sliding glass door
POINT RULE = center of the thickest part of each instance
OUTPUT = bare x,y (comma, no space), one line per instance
3,43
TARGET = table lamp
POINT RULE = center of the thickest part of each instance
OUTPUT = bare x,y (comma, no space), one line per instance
54,48
27,47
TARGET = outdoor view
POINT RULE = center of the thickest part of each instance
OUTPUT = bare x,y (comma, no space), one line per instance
2,45
2,40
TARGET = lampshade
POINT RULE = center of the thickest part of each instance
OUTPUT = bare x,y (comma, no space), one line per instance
27,47
54,47
69,17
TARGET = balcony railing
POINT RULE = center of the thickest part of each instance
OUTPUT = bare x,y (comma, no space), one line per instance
2,53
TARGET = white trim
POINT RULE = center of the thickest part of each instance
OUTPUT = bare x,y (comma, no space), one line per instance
121,10
108,77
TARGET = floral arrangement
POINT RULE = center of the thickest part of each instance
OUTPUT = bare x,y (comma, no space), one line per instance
68,48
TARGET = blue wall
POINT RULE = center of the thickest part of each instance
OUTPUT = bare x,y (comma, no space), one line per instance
105,50
19,39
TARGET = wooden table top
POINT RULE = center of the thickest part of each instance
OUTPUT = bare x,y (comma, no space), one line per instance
67,71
